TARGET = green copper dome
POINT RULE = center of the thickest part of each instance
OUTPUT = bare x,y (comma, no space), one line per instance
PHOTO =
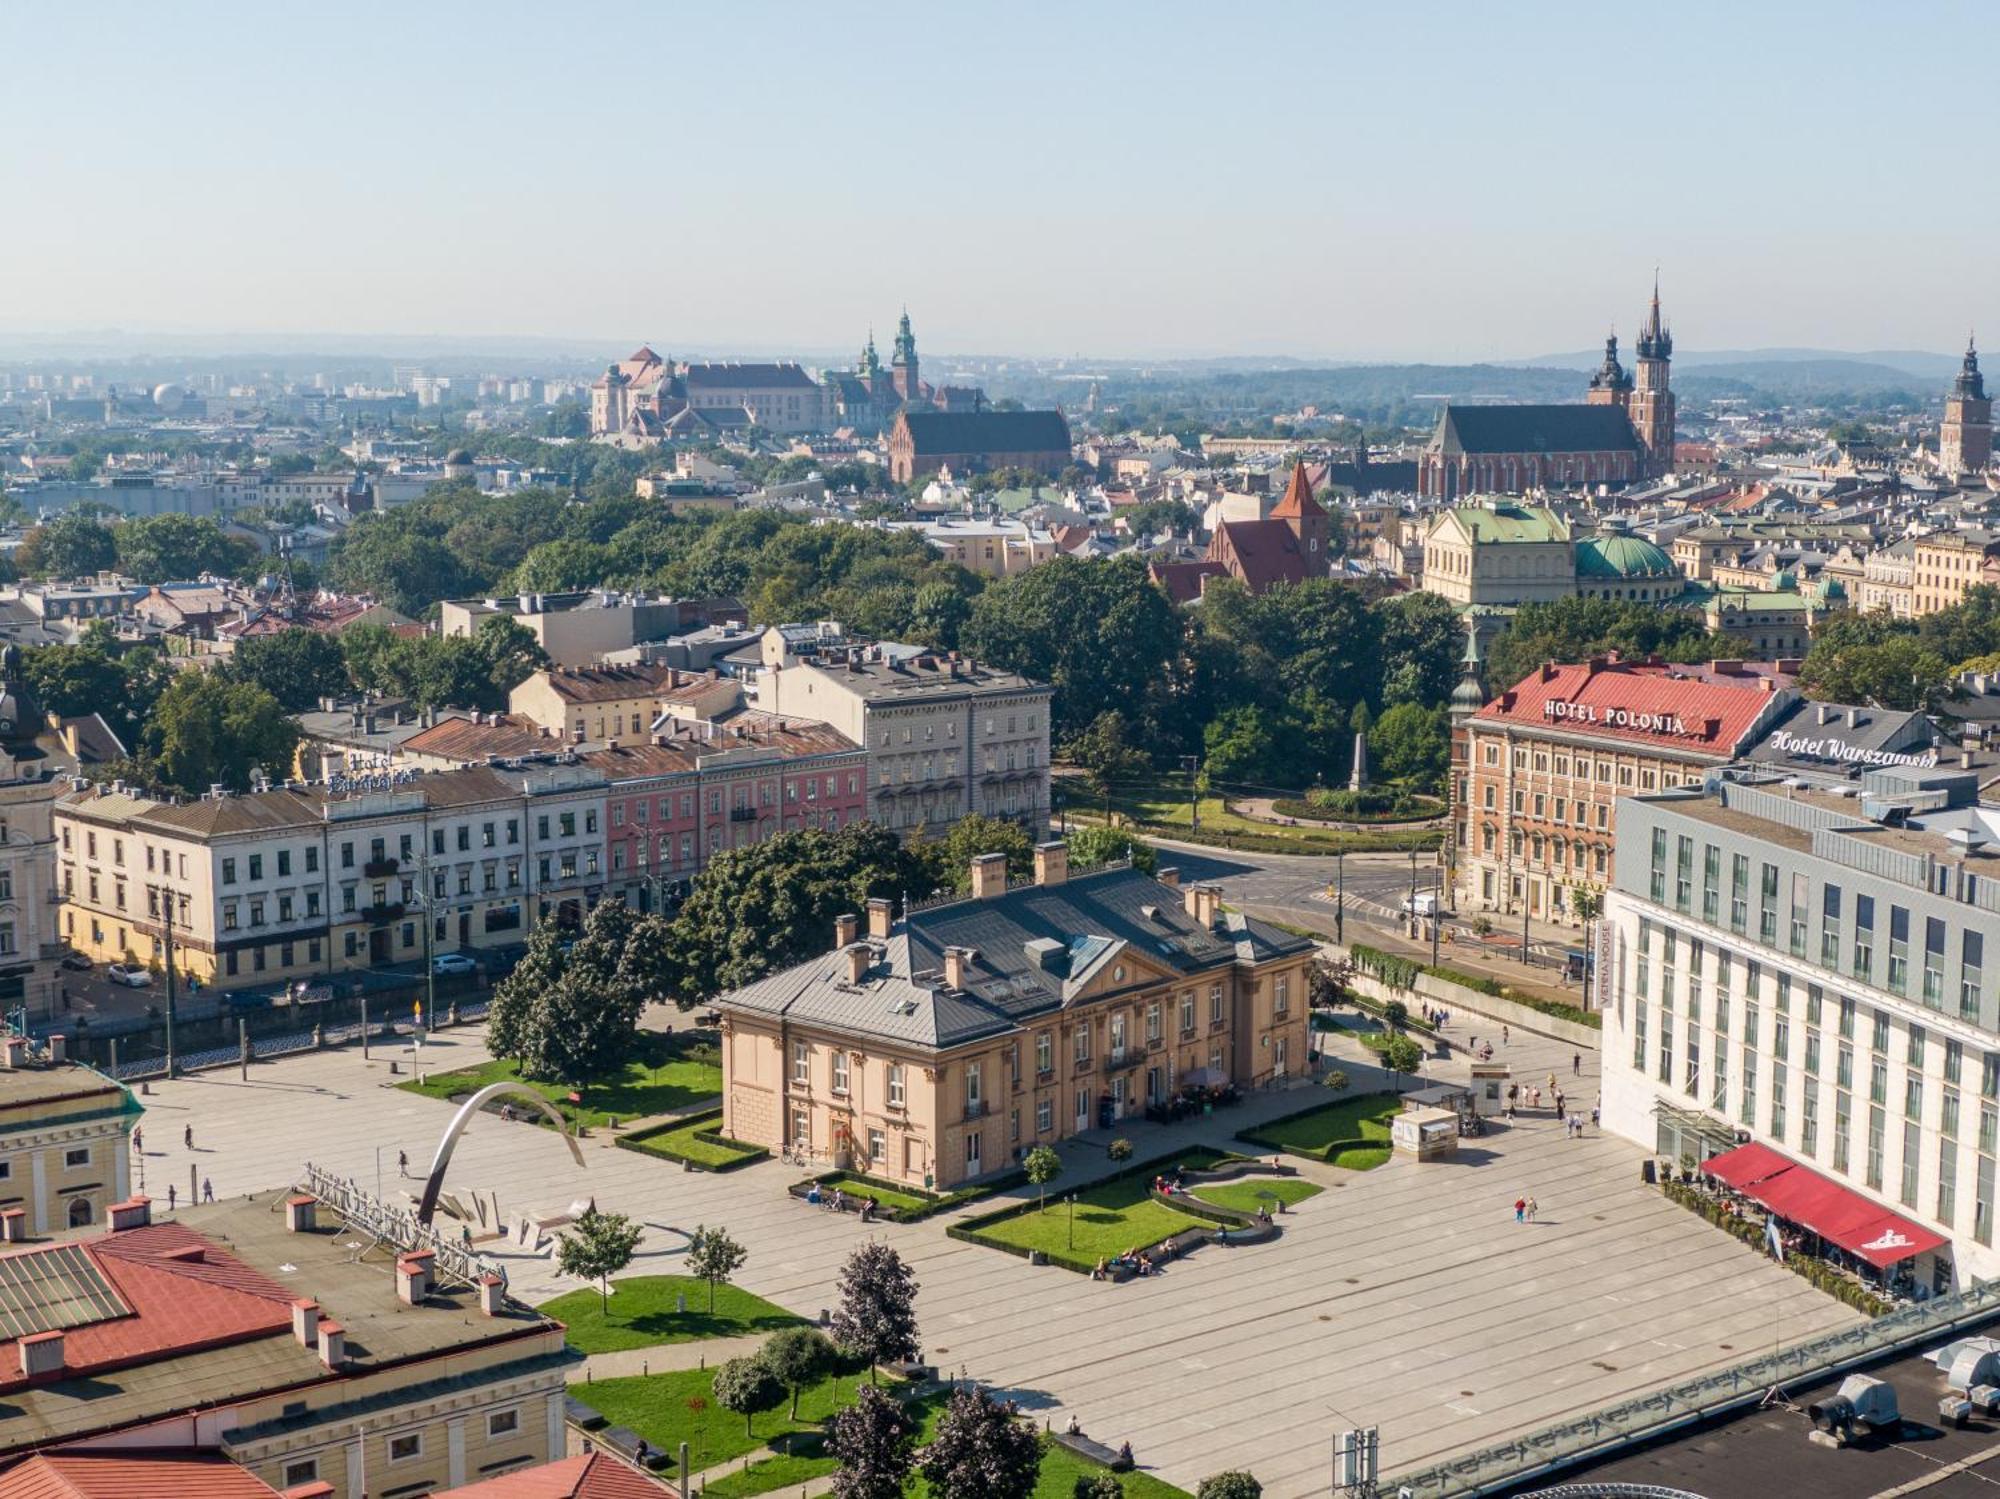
1621,555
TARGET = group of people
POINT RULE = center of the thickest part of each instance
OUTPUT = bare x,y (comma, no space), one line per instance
1525,1209
1133,1261
1435,1018
837,1200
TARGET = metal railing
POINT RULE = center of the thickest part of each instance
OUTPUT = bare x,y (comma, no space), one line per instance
1644,1417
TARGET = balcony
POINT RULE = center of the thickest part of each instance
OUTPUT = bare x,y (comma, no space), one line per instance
377,869
1123,1061
742,814
383,914
975,1108
1081,1066
1218,1023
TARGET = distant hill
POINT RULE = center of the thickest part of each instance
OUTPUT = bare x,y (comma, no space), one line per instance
1904,363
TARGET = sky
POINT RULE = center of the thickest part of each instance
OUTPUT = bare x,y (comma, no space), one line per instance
1101,178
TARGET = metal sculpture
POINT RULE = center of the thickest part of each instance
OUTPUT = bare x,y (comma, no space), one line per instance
434,1181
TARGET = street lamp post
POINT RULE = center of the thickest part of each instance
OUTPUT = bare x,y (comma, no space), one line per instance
1340,895
1414,930
167,910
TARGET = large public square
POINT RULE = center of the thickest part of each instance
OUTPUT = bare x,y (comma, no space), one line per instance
1406,1297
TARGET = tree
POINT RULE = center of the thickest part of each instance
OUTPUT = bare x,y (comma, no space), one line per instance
1240,746
1235,1484
1094,844
748,1386
1097,1486
598,1246
70,546
940,612
207,730
1854,662
1043,1166
297,667
756,909
1422,642
1105,750
170,547
1575,629
510,654
871,1439
877,1319
713,1256
981,1451
1400,1055
800,1357
1412,743
570,1016
949,859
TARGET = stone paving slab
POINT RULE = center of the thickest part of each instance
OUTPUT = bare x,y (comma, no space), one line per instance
1406,1297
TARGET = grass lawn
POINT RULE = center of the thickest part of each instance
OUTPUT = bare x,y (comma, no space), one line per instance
1365,1119
680,1141
885,1197
659,1078
780,1471
1164,803
642,1313
1060,1470
1110,1219
657,1407
1244,1196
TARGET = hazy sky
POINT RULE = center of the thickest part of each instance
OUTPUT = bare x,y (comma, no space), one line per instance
1425,181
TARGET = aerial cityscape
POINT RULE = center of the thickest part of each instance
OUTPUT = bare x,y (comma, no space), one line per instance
1255,755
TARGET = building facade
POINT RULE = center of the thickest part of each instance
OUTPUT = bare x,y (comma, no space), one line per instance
1946,563
1805,965
1499,553
1542,767
941,1047
944,736
972,442
65,1142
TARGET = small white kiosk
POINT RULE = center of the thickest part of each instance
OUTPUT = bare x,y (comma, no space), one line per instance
1428,1134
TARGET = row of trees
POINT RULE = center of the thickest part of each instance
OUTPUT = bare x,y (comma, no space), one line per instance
1908,664
150,549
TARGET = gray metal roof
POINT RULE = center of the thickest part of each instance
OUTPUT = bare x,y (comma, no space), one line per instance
1037,947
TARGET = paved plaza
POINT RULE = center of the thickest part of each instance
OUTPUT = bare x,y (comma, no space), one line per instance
1407,1297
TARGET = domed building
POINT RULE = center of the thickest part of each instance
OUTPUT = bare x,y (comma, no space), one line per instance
458,464
1615,564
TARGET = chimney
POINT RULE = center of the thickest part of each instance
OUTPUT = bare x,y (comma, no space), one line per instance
989,876
13,1052
301,1214
134,1212
413,1276
958,963
860,957
1965,759
42,1355
1051,862
1202,902
1854,718
305,1323
1822,713
58,1048
492,1293
881,916
332,1345
846,927
1170,877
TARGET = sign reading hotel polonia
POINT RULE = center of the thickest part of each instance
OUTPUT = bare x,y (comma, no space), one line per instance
1835,748
1617,718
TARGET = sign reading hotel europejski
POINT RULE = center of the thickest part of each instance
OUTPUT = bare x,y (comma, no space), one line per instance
1833,748
1616,718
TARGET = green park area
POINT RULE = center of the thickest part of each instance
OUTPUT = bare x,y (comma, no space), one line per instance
886,1198
680,1406
645,1311
1352,1132
1257,1192
664,1073
1160,805
697,1141
1105,1220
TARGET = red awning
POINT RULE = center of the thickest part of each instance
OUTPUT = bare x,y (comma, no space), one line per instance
1837,1214
1746,1164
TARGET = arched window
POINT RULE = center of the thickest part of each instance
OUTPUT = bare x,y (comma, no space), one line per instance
79,1212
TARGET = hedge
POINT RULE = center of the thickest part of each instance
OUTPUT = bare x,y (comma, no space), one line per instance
651,1142
935,1202
1822,1275
1402,973
968,1229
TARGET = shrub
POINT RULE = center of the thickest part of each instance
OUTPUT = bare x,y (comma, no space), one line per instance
1119,1150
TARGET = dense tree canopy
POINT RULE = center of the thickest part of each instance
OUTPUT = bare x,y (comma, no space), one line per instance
170,548
70,546
207,729
1575,629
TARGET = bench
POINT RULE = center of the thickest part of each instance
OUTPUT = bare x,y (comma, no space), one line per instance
1096,1452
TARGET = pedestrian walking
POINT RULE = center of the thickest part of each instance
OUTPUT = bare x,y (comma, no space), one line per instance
1552,1083
1593,1116
138,1140
170,1197
1533,1207
1520,1209
1576,1064
1503,1035
207,1190
402,1163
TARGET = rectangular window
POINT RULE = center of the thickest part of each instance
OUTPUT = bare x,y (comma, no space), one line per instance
1899,950
302,1472
1982,1201
895,1085
406,1446
1829,927
1947,1192
1044,1117
1842,1116
1864,936
1912,1152
1809,1124
1971,958
1778,1103
1658,883
1934,962
256,866
840,1072
1711,872
1767,905
1683,873
503,1423
1639,1037
801,1062
1801,904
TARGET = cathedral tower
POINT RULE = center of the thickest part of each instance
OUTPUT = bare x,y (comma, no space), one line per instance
1652,403
903,363
1610,386
1965,441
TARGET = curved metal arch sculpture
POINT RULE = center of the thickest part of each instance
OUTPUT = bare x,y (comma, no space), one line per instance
434,1182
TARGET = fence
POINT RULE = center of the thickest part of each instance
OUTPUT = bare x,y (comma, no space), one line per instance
271,1034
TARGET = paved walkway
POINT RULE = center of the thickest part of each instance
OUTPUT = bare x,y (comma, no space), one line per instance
1405,1297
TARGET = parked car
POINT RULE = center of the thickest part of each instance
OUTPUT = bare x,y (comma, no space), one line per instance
451,962
76,962
131,978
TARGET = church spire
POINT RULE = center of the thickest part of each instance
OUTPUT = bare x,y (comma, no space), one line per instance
1970,384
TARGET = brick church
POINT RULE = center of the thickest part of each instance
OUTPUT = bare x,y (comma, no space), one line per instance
1621,434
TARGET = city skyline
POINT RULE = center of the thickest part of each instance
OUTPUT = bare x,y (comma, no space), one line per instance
1097,187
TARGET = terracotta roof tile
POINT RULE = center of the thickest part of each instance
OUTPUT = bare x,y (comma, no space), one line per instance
1637,702
594,1476
113,1475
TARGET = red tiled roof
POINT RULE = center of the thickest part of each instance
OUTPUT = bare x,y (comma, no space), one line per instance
1183,580
594,1476
1298,502
1639,702
504,734
1267,552
184,1294
112,1475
